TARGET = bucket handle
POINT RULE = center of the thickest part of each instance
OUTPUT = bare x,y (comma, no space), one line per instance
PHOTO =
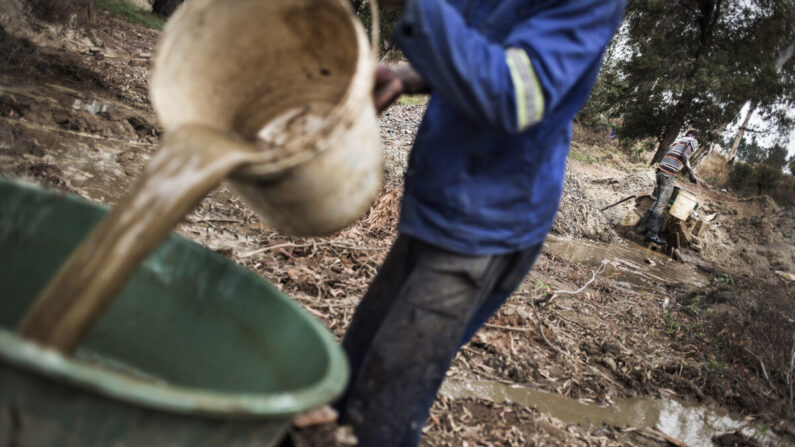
375,29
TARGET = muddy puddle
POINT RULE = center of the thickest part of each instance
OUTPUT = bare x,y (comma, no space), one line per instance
633,265
690,423
82,140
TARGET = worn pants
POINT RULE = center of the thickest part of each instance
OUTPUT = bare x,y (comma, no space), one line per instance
653,218
423,305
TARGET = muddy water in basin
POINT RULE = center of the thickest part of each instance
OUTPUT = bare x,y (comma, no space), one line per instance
192,162
690,423
626,262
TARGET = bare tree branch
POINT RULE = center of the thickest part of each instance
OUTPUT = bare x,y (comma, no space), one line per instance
789,372
692,9
785,55
764,370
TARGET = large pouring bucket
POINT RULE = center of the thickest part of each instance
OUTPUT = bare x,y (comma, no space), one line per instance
297,74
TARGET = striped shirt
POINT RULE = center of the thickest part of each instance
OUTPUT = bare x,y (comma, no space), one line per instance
674,159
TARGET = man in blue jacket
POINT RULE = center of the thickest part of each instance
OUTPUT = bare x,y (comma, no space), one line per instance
482,188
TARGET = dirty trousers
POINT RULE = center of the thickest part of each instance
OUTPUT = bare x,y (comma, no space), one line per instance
653,218
423,305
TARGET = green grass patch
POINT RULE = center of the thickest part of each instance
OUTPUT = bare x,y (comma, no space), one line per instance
576,154
412,100
132,13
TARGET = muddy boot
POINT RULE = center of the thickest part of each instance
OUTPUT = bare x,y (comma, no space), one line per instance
655,239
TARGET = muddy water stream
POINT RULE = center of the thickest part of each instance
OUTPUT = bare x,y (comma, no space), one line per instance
192,162
692,424
636,266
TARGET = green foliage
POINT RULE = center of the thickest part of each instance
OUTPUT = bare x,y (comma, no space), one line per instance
671,324
674,328
411,100
791,165
132,13
767,178
636,148
610,85
542,288
757,179
724,279
714,365
695,63
740,176
693,306
581,156
776,157
751,151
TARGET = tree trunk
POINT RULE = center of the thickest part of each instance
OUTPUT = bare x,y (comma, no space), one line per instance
165,7
783,57
672,130
710,11
78,13
741,131
786,55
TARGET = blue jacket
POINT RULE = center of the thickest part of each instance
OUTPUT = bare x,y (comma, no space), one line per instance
486,171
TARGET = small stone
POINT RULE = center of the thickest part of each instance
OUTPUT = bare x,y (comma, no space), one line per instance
318,416
344,435
786,275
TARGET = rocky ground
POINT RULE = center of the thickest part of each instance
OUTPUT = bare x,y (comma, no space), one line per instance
593,322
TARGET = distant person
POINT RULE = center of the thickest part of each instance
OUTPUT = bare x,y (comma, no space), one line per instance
676,159
482,188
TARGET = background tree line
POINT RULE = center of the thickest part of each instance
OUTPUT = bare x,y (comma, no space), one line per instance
696,63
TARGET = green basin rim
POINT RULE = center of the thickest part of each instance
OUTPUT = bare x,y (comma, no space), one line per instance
161,395
157,395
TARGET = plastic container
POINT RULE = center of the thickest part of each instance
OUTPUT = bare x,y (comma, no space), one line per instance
293,77
196,350
684,203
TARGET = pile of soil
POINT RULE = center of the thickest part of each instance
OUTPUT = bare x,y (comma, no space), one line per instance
75,117
579,215
751,235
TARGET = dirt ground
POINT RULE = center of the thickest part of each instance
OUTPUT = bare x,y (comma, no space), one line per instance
75,116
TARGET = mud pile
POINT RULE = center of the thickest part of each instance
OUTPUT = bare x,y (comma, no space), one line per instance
751,235
579,215
610,189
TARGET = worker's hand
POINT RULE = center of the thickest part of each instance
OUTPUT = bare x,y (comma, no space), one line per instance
413,84
693,179
388,87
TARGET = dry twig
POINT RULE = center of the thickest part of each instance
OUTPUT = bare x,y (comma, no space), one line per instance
541,331
764,370
507,328
791,368
271,247
600,269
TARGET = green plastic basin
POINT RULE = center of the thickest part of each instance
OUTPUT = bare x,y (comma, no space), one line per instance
195,351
